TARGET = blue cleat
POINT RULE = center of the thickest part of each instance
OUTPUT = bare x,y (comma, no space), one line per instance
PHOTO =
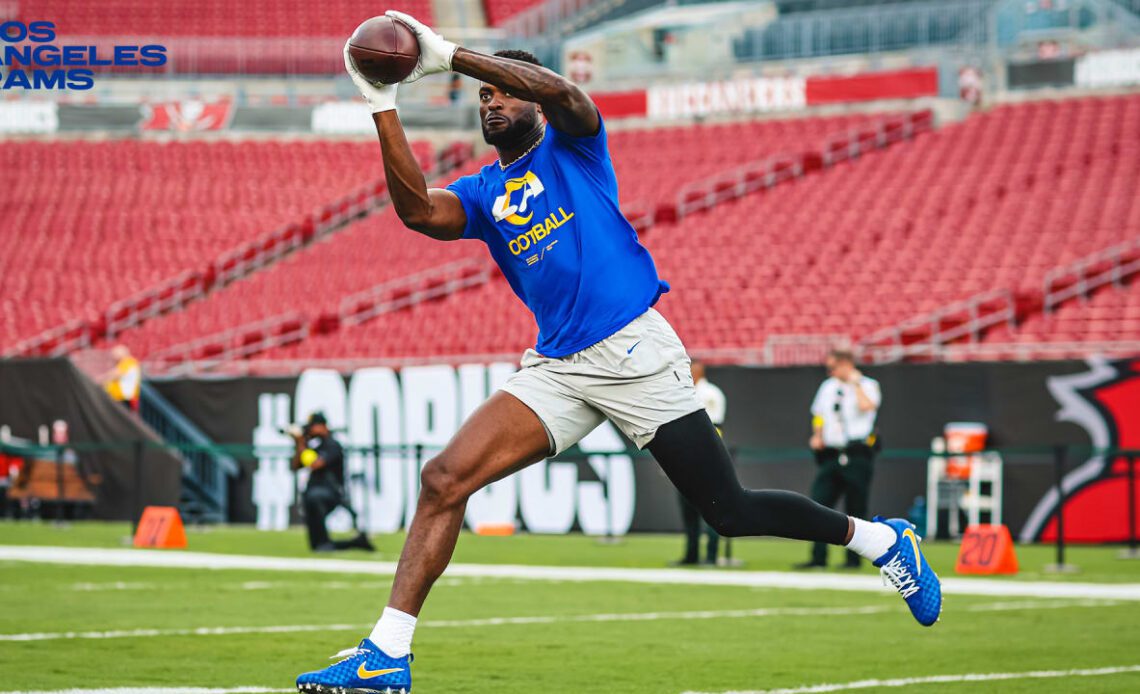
905,569
363,670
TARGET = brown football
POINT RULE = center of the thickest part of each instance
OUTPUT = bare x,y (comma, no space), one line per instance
384,49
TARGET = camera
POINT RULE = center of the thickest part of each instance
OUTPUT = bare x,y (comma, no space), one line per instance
292,429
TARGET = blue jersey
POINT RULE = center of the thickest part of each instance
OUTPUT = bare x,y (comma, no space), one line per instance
552,223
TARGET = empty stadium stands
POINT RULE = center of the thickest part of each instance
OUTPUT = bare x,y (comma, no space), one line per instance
983,208
1091,303
1110,315
1033,188
902,247
92,223
317,281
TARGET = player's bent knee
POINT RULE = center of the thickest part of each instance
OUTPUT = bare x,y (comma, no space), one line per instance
439,486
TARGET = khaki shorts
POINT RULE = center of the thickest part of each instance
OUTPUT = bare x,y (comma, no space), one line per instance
638,377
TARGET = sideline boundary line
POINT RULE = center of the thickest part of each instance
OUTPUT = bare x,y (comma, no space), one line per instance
941,679
88,556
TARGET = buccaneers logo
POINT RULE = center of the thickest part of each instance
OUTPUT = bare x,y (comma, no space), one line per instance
1105,401
187,116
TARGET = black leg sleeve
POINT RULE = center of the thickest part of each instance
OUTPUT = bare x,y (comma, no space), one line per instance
693,455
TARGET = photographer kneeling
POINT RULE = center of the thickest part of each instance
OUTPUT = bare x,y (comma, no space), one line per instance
317,450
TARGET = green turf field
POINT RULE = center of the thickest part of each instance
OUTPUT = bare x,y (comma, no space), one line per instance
586,636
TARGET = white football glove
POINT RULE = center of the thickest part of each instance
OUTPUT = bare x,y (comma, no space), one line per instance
380,97
435,51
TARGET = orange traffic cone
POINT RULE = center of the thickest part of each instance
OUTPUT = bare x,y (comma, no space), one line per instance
161,527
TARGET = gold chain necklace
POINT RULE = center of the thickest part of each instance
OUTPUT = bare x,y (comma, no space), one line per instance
529,150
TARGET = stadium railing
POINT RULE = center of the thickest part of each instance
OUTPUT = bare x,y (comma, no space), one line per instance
241,261
64,339
239,342
923,336
748,178
743,180
252,338
175,293
1078,280
1033,351
408,291
933,336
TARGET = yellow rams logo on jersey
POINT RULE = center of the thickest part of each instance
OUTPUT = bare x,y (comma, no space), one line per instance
513,206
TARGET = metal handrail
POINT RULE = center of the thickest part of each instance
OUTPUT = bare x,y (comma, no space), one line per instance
1109,266
749,177
72,335
1029,351
425,285
226,339
129,312
889,344
231,265
738,182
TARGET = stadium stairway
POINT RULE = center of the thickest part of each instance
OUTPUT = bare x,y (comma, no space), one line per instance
205,475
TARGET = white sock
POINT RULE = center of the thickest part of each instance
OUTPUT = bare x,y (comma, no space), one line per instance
393,633
871,540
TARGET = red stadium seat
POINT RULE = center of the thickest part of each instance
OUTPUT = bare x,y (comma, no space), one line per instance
866,245
80,239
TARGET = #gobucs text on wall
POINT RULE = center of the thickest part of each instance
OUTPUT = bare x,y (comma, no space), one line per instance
424,405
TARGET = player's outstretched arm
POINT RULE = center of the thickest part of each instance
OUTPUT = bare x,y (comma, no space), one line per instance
436,213
565,106
433,212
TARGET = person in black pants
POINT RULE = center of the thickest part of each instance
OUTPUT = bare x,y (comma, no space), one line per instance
317,450
843,423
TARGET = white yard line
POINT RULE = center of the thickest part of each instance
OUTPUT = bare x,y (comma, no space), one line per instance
548,619
753,579
942,679
971,677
